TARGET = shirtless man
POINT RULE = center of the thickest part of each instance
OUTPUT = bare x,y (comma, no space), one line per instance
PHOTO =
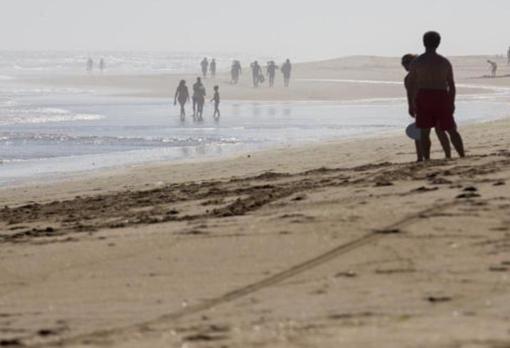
432,95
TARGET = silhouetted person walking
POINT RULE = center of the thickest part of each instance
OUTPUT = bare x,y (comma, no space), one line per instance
200,102
196,94
493,67
204,64
432,95
508,55
212,68
271,72
235,71
102,65
90,65
182,95
286,71
256,72
216,100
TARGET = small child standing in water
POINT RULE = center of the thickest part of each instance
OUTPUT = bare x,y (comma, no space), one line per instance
216,100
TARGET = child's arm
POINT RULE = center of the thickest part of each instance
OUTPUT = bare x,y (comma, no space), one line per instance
411,93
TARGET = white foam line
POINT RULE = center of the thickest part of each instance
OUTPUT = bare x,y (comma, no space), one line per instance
399,83
374,82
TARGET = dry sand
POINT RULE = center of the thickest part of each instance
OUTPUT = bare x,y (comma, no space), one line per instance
343,244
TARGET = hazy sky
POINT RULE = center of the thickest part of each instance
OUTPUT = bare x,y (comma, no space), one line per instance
301,29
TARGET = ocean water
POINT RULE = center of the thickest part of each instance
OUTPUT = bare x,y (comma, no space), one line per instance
49,133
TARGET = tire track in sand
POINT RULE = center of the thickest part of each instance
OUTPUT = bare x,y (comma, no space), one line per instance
101,337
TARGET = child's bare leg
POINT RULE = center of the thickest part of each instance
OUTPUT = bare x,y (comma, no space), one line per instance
445,143
457,142
419,152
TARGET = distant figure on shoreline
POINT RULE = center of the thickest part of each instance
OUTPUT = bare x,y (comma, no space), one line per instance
286,71
204,64
102,65
90,65
256,72
182,95
493,67
432,93
212,68
271,72
407,60
216,100
235,71
508,55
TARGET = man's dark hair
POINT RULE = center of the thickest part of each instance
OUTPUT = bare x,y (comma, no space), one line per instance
431,39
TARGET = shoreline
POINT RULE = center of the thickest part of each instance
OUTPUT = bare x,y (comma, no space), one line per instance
263,164
59,177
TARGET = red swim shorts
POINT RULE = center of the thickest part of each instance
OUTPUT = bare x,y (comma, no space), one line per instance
434,109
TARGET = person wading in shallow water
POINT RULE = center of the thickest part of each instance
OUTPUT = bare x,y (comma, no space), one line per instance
216,100
196,93
182,95
201,93
286,71
432,95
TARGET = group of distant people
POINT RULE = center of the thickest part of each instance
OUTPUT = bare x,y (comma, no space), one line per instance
90,65
271,68
208,68
182,96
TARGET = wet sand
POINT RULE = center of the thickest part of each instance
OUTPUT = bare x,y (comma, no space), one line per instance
346,243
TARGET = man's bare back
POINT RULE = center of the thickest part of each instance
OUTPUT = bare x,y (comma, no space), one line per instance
431,71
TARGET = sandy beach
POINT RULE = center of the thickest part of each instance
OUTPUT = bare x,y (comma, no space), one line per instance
345,243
